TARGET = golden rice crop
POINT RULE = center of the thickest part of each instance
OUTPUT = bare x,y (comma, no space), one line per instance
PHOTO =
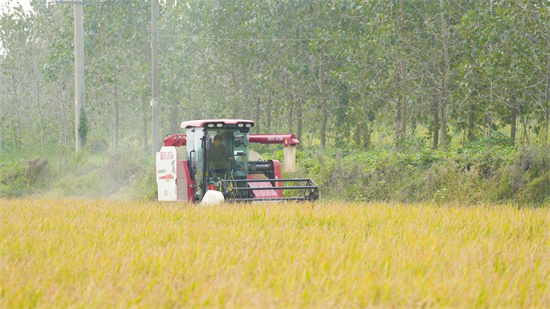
100,253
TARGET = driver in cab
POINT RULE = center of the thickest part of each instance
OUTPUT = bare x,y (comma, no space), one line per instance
218,158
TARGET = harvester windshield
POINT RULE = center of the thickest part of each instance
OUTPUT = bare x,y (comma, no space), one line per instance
226,154
216,154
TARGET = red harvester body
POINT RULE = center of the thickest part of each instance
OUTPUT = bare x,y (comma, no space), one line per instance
191,164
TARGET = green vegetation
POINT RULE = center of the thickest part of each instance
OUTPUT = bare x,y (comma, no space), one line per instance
470,176
392,100
478,173
349,74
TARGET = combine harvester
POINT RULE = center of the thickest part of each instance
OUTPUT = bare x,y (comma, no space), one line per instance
213,159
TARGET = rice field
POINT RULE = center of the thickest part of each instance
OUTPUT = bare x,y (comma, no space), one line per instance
101,253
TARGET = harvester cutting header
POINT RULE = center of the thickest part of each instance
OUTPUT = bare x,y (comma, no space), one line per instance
214,156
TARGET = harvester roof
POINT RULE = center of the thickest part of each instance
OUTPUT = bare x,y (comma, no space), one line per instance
217,123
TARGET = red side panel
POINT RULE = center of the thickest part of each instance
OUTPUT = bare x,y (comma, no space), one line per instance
277,172
175,140
285,139
185,184
262,193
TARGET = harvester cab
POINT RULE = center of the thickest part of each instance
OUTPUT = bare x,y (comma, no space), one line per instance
214,155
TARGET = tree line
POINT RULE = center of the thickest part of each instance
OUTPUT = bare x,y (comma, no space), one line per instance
337,73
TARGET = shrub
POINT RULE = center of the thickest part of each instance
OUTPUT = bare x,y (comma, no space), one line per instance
470,175
536,191
18,178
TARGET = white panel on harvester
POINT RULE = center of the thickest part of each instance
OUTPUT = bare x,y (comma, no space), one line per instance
167,173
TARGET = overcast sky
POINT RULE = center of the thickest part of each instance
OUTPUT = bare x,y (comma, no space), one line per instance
11,3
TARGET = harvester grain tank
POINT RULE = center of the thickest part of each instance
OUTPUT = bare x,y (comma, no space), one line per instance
214,155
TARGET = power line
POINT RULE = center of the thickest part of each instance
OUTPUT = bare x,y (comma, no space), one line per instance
78,2
273,39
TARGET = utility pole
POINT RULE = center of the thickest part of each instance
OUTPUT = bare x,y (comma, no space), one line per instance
154,79
78,69
78,73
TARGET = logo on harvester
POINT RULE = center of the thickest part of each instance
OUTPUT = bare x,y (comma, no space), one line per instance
166,155
167,177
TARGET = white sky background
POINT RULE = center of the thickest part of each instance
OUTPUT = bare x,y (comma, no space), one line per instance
6,5
26,4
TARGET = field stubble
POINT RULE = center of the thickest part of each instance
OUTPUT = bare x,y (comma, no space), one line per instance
104,253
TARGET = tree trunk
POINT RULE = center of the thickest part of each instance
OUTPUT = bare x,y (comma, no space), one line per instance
236,86
258,112
246,98
269,114
290,98
324,123
513,128
513,119
357,136
258,97
490,125
490,120
471,123
397,124
443,128
401,117
324,107
17,129
546,119
366,136
525,123
299,116
403,120
435,111
60,127
117,117
414,125
144,118
174,117
443,92
62,118
547,102
14,134
65,121
40,114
